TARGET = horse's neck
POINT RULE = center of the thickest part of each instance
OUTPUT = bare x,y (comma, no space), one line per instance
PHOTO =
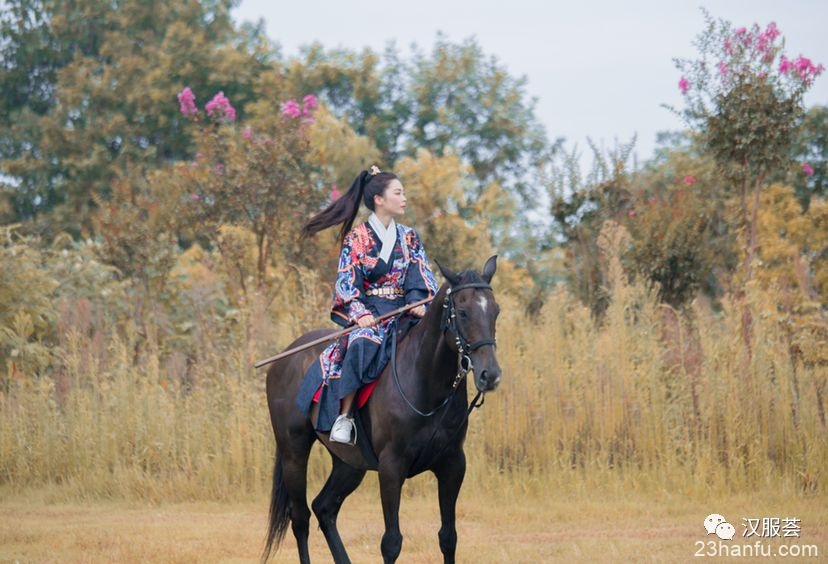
434,359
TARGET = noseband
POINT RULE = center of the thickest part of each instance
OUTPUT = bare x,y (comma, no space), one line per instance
449,324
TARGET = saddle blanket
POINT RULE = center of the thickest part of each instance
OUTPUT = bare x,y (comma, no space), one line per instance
362,394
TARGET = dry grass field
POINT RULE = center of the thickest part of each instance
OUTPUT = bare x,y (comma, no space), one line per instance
559,526
603,443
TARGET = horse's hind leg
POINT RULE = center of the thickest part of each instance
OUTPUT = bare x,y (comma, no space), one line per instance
296,483
343,480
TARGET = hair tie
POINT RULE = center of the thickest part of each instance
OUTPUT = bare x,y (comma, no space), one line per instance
375,170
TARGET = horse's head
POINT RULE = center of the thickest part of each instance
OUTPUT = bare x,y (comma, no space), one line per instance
469,315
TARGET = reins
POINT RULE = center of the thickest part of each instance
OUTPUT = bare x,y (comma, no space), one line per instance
464,348
464,366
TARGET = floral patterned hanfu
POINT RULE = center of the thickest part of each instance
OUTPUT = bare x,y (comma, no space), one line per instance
365,284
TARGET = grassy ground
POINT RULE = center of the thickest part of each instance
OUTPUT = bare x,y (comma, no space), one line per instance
582,527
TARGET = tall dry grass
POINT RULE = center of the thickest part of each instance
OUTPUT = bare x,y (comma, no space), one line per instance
650,399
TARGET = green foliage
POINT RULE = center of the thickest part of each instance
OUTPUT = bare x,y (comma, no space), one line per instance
580,208
89,91
27,313
43,291
744,96
811,148
263,181
138,228
456,98
669,234
681,226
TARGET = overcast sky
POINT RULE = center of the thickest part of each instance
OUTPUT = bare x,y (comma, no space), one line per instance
598,69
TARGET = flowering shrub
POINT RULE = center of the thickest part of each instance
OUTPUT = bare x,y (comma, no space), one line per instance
220,106
745,96
256,182
292,110
186,101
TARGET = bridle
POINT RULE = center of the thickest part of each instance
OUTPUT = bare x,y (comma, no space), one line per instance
464,349
449,323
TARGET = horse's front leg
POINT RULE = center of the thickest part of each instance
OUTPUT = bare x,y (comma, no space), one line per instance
449,473
391,478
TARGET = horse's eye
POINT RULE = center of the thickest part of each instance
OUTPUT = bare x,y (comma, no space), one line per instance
462,313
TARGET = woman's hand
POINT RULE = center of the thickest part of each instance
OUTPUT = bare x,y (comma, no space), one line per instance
366,321
418,311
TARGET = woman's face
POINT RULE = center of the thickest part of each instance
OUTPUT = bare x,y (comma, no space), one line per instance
392,201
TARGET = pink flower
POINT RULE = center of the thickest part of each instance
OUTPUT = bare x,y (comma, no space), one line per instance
631,213
784,65
771,32
291,109
804,68
741,31
220,105
807,169
684,85
802,64
196,197
767,38
218,169
335,193
309,103
728,48
723,69
186,102
247,133
689,180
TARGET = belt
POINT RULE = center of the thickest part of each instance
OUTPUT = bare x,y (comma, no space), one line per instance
385,292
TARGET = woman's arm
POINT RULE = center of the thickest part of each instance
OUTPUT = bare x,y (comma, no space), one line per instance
349,296
419,278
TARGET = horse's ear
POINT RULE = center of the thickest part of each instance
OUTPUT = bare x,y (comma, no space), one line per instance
489,269
448,274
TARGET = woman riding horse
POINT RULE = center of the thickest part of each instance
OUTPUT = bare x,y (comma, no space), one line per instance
382,266
417,417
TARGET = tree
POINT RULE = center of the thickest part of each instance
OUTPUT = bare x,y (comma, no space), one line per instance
87,90
680,225
580,206
260,180
456,98
745,97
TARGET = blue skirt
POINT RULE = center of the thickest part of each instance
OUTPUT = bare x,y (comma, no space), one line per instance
366,352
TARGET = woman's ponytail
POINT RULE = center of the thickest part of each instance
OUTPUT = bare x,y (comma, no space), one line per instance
342,210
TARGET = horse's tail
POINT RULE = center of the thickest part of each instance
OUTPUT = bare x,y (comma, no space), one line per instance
279,511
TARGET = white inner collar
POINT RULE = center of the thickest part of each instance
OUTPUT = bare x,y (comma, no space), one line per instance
388,235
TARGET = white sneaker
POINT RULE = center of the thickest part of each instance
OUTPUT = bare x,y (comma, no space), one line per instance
341,430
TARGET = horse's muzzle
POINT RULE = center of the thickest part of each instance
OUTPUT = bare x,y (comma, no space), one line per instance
489,379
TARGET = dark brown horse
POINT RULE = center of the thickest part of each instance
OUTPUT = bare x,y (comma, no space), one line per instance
416,418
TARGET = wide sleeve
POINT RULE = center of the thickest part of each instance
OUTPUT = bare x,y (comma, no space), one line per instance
349,295
419,279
